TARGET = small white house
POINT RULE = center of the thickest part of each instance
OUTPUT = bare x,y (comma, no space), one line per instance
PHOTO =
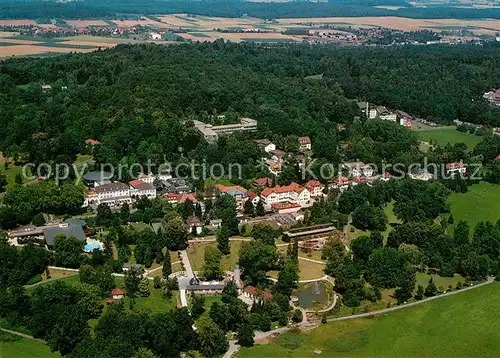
117,293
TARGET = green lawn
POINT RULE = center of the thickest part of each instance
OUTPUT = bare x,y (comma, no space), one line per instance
450,135
12,346
154,302
460,325
11,172
444,282
480,203
197,257
392,219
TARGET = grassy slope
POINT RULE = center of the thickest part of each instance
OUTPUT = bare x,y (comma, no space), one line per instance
450,135
24,348
481,202
460,325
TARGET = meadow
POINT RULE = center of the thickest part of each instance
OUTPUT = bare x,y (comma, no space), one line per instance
443,136
480,203
12,346
458,325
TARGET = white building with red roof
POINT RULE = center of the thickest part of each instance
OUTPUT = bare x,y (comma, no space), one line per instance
175,198
138,189
341,183
292,193
455,167
385,177
315,188
113,194
304,144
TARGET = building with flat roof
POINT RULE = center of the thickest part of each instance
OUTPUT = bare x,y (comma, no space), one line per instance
211,133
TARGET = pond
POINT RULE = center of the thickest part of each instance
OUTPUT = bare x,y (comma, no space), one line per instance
313,295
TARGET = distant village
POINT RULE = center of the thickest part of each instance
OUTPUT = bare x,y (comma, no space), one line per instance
309,33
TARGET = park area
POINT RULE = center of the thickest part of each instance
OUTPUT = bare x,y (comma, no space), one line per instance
13,346
444,135
480,203
458,325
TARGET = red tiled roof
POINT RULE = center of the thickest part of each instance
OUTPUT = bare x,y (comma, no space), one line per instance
139,184
181,198
285,205
224,188
497,157
311,184
454,165
254,291
342,180
305,140
91,141
251,195
263,181
117,292
387,175
283,189
278,153
193,220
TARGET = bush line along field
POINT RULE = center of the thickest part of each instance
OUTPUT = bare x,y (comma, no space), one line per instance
450,326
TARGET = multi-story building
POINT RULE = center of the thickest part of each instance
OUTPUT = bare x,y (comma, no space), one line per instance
138,189
315,188
456,167
113,194
211,133
383,113
237,192
356,169
404,118
293,193
147,178
493,97
266,145
341,183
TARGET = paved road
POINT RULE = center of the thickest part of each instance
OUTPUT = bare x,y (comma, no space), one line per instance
233,348
184,281
187,264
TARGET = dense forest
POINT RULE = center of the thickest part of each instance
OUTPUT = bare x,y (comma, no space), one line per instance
37,9
137,99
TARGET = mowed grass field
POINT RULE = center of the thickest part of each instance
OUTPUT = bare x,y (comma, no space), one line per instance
12,346
480,203
443,136
462,325
197,256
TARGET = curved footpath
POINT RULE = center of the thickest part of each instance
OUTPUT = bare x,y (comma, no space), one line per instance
233,347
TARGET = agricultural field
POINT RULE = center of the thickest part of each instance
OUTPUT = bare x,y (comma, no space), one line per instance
484,26
445,135
13,346
15,46
456,325
480,203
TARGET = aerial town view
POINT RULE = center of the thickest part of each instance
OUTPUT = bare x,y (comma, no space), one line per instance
249,178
